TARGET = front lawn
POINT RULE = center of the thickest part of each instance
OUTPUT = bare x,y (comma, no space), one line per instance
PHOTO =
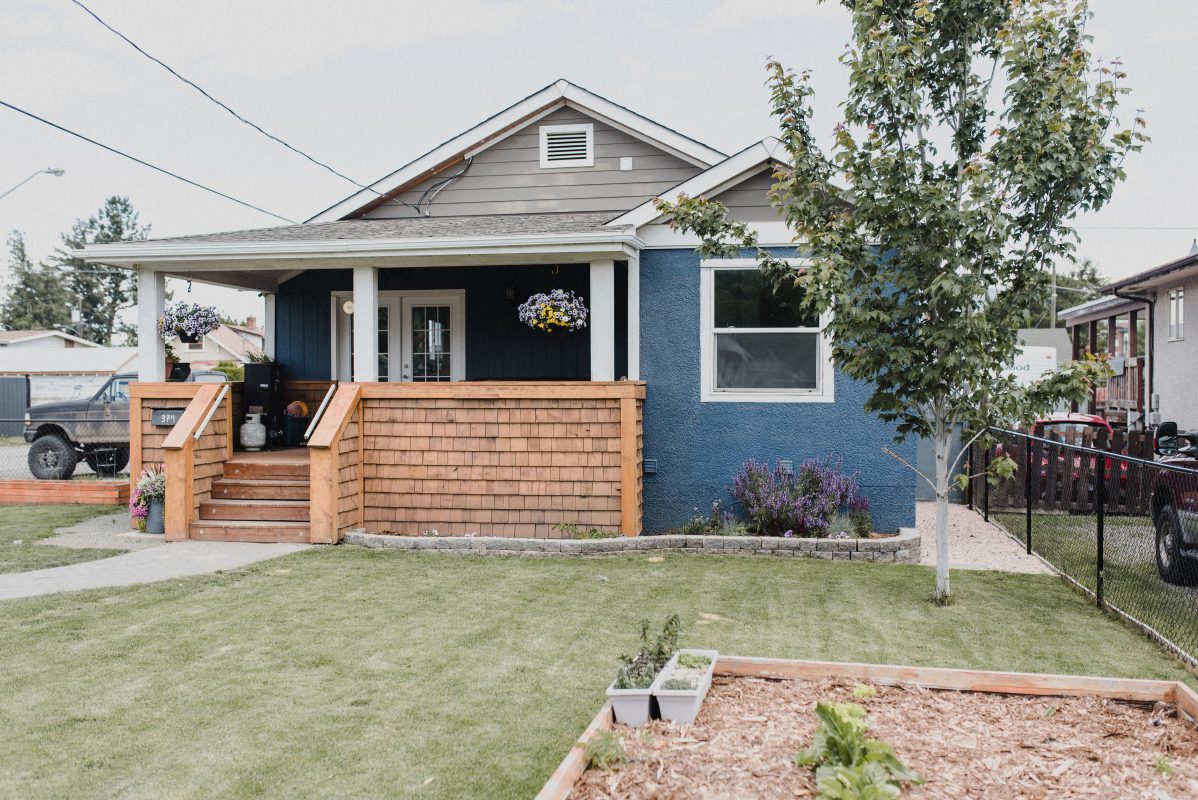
28,523
1130,579
343,672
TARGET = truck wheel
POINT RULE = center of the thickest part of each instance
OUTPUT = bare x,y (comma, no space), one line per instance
1173,567
52,459
107,462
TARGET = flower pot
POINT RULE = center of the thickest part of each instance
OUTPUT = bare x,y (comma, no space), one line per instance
188,338
631,706
682,705
156,519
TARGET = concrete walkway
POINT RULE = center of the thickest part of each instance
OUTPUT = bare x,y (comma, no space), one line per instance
106,532
147,565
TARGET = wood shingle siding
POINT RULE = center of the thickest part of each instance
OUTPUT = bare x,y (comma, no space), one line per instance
507,178
497,459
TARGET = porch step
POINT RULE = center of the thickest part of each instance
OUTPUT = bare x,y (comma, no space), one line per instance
266,470
248,510
274,489
249,531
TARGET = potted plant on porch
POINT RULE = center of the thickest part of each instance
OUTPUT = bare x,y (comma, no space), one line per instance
556,310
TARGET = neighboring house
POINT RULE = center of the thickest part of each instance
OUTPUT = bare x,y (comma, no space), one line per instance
65,373
235,343
25,339
556,191
1156,379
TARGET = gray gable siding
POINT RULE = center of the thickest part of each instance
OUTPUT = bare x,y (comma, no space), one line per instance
749,200
507,177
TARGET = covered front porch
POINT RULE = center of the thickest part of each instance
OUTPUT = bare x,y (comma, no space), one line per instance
435,412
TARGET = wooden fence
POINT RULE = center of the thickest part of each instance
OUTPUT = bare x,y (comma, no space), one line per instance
1063,478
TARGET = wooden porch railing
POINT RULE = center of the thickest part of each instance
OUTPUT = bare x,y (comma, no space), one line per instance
191,461
335,457
494,458
1126,392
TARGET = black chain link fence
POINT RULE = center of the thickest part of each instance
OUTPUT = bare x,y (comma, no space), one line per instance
1121,528
64,449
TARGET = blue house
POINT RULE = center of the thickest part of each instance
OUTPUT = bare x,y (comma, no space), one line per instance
706,364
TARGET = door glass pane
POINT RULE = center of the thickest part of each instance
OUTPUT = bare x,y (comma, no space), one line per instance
767,360
384,344
431,356
745,299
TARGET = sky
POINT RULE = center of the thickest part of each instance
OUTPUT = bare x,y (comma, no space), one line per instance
368,86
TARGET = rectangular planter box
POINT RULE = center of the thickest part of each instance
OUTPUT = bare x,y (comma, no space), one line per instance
682,705
574,764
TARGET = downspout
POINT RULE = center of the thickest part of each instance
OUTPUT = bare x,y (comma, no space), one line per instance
1150,302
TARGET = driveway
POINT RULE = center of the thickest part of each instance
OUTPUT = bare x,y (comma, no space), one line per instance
147,565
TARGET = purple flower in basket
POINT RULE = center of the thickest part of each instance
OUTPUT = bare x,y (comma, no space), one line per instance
556,310
187,321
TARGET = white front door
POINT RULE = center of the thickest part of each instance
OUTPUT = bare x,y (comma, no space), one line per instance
421,336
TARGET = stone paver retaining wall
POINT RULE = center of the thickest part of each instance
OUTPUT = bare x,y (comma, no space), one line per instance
902,548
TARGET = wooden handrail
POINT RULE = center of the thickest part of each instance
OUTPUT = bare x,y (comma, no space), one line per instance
502,390
320,411
180,462
324,456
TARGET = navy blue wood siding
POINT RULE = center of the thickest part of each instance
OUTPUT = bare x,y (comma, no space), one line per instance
498,346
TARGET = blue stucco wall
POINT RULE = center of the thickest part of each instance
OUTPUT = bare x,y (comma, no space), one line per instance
699,446
498,345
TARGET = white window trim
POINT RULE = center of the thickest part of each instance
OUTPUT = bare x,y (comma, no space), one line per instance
543,139
1176,322
825,391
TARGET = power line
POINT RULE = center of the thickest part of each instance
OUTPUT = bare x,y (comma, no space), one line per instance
144,163
203,92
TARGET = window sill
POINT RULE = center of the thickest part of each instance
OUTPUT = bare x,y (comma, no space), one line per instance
764,397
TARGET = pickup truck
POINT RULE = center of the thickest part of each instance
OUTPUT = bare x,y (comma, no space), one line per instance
95,430
1175,505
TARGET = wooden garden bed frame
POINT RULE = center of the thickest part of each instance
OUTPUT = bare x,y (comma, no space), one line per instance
100,492
567,774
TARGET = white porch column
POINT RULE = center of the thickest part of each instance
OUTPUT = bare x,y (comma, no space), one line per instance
268,326
366,324
603,320
151,350
634,317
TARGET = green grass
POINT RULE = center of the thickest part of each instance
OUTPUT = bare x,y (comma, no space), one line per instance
1131,582
344,672
28,523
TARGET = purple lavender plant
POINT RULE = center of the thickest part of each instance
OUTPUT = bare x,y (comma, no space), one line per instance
777,500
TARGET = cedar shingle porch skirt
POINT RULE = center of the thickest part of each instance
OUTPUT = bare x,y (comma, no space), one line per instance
496,459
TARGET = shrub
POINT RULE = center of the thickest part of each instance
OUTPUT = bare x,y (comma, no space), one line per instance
718,523
573,530
859,516
800,502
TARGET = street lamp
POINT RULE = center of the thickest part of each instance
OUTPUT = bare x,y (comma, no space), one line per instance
55,171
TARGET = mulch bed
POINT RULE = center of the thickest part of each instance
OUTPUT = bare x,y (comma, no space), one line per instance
964,744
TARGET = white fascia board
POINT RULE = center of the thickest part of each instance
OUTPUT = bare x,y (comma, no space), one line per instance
150,254
527,111
52,335
643,128
727,173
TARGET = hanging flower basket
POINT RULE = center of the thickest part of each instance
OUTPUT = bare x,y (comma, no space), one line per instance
189,321
557,310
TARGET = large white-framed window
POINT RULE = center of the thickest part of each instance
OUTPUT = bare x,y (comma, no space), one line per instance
757,345
1177,314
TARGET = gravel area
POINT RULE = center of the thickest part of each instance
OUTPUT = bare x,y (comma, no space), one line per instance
973,542
107,532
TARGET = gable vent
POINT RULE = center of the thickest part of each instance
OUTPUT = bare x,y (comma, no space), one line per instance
567,145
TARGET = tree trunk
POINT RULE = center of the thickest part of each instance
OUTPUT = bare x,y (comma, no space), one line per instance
942,442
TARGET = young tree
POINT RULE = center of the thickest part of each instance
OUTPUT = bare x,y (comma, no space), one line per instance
101,293
973,132
37,298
